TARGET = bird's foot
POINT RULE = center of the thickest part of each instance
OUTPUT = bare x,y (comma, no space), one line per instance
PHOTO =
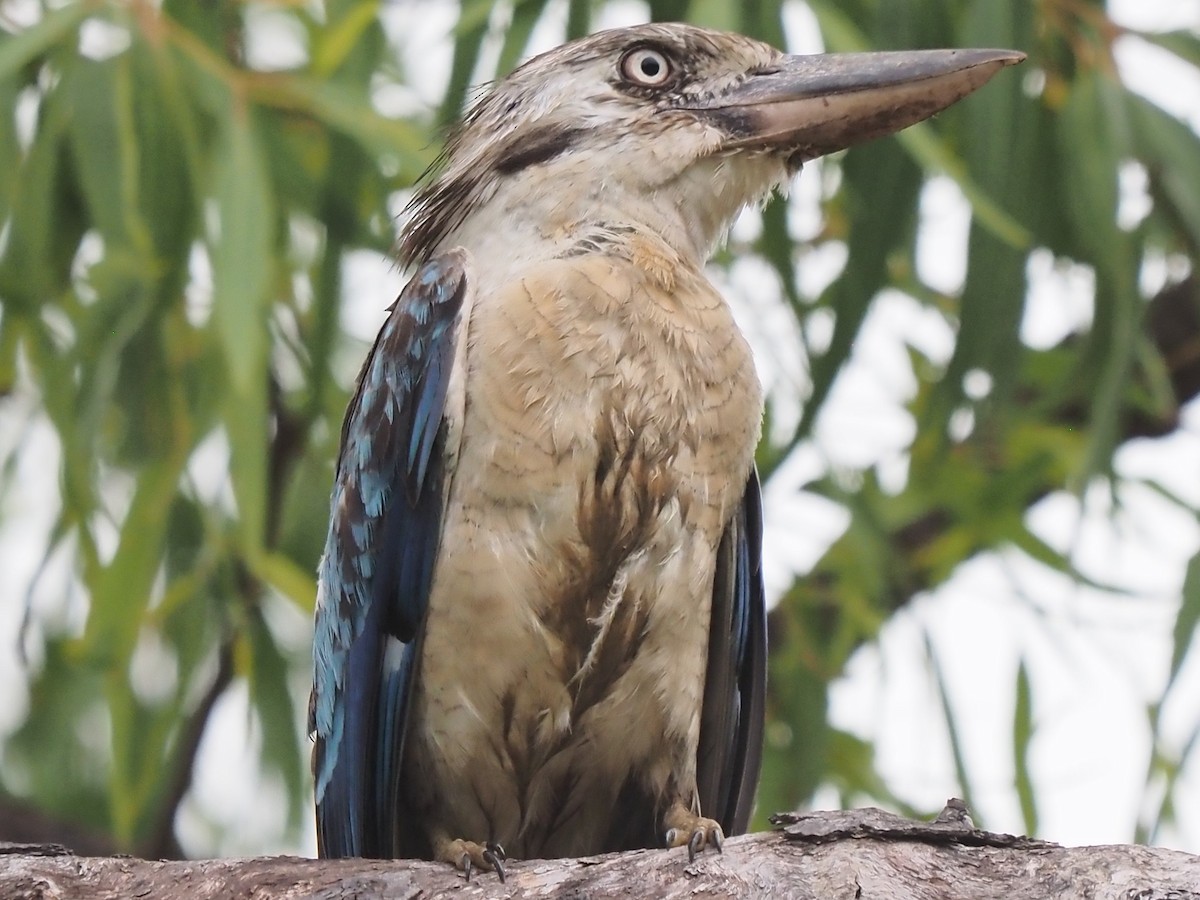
467,856
686,829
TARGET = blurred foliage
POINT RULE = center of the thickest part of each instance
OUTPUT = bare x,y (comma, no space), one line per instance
176,221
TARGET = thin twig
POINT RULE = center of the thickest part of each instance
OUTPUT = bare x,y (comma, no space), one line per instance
161,842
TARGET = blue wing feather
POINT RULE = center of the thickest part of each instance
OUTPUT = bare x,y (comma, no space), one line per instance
375,575
731,720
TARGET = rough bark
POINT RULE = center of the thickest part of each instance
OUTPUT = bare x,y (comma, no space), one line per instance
857,854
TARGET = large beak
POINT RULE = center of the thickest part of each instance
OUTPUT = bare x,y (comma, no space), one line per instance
811,105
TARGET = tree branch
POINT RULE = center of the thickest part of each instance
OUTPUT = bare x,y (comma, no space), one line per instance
860,853
162,843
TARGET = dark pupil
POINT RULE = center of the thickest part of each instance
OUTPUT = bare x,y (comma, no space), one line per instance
650,66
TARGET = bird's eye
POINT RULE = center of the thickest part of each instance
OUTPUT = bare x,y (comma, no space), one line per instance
646,67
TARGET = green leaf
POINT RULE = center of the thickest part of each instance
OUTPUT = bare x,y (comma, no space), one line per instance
121,590
141,736
243,255
525,16
104,148
11,329
838,29
59,391
172,129
719,14
338,39
272,700
468,39
247,426
1098,107
1184,632
956,747
934,154
1039,550
1184,44
17,51
997,156
211,24
762,21
796,744
347,111
668,10
579,18
66,770
118,346
10,149
1092,108
280,572
880,189
46,220
990,311
1170,151
242,251
1022,736
320,335
851,767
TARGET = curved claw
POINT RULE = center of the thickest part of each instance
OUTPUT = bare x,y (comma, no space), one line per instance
470,857
694,832
495,860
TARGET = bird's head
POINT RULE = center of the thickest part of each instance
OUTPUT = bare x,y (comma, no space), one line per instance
670,127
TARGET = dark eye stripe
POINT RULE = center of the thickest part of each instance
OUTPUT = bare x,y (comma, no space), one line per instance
530,148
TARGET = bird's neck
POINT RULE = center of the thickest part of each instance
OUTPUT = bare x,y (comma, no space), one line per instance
524,220
517,227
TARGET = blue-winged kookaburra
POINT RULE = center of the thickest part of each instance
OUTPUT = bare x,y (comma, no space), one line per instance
540,619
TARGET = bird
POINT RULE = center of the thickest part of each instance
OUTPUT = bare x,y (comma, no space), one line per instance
540,623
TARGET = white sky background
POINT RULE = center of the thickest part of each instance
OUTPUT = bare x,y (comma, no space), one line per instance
1095,660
